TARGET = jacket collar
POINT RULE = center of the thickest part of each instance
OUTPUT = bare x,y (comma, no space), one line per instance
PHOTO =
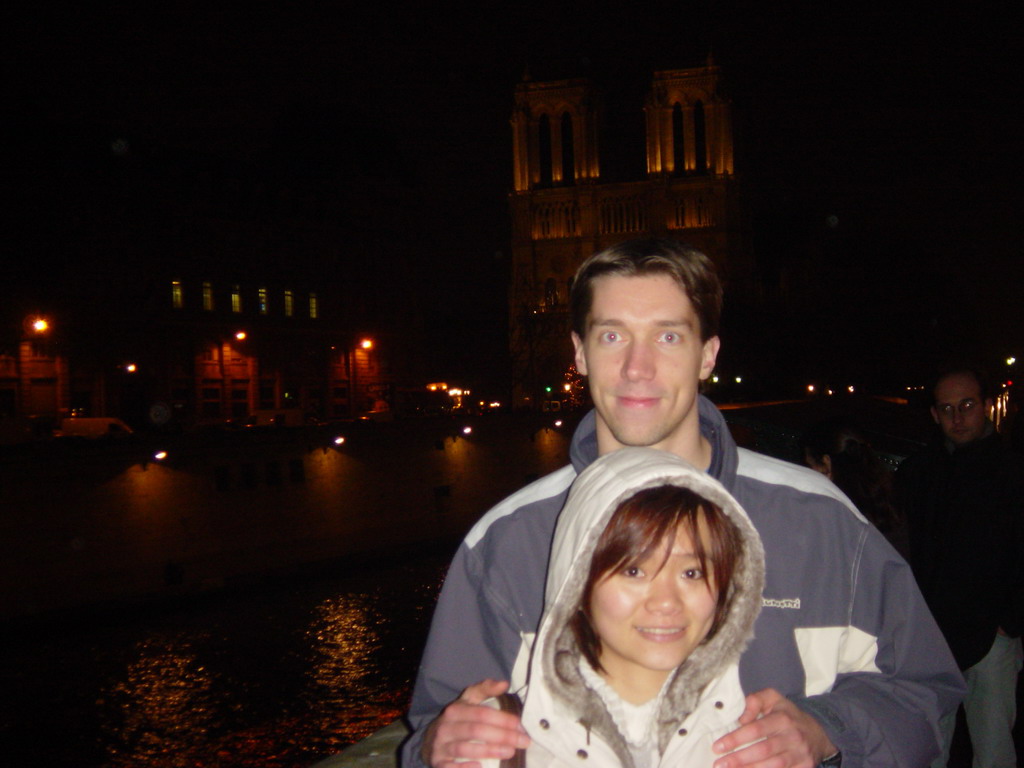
583,449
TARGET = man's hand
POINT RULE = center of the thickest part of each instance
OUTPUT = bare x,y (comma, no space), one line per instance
466,731
784,736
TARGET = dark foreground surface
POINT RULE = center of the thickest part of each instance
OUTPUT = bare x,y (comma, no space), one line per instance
276,675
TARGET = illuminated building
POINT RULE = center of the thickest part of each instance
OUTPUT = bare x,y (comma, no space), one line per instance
181,290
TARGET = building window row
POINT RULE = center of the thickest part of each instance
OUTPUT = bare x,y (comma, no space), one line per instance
623,214
690,212
291,302
557,219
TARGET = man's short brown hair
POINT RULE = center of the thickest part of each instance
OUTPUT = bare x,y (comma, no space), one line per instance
692,270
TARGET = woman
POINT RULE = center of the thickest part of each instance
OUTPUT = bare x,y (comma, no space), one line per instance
841,453
653,586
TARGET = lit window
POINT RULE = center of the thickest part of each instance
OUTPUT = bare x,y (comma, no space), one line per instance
208,297
314,306
236,298
177,295
264,306
289,303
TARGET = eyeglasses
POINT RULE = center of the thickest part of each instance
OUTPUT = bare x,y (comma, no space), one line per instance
964,407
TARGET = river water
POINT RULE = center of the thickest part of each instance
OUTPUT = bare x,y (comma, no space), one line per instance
276,675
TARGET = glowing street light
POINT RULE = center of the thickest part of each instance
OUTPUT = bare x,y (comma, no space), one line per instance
40,325
241,335
366,344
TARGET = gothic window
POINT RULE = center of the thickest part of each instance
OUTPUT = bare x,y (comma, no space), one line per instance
679,214
568,155
236,298
542,221
289,303
177,294
314,306
544,148
208,297
550,293
699,139
623,215
263,301
678,142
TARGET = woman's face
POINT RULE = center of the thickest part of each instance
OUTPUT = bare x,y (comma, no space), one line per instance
650,615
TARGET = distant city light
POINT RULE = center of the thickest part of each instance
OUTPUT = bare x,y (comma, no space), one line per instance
241,335
40,325
830,392
558,423
495,404
810,388
567,387
1011,360
850,389
339,440
739,379
366,343
467,430
131,368
160,455
714,379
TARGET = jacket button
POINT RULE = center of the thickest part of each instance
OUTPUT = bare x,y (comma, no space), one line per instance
719,705
682,731
582,754
545,724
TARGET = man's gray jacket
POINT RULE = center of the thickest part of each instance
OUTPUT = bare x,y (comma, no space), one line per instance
843,631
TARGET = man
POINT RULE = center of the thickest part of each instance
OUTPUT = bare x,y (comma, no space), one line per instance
964,502
846,663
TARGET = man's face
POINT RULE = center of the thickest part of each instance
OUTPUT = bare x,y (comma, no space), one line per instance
644,359
959,409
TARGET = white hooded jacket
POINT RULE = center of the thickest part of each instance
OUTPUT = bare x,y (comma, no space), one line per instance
568,722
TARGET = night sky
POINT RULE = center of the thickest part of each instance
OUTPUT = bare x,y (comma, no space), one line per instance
879,149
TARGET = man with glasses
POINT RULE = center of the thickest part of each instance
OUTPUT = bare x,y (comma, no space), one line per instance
964,502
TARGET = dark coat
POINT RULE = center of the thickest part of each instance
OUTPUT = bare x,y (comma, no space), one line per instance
965,512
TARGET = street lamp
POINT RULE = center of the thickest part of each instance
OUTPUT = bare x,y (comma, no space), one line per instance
364,345
36,325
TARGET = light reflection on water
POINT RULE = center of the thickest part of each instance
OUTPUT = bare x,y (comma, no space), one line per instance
277,677
165,704
344,675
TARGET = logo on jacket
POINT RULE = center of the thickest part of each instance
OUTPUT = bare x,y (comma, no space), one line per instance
786,602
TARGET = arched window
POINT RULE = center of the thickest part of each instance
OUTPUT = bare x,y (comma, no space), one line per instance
678,142
550,293
544,148
699,134
568,156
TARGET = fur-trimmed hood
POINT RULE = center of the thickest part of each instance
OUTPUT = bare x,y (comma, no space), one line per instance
554,666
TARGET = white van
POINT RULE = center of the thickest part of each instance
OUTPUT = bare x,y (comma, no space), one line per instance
93,427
